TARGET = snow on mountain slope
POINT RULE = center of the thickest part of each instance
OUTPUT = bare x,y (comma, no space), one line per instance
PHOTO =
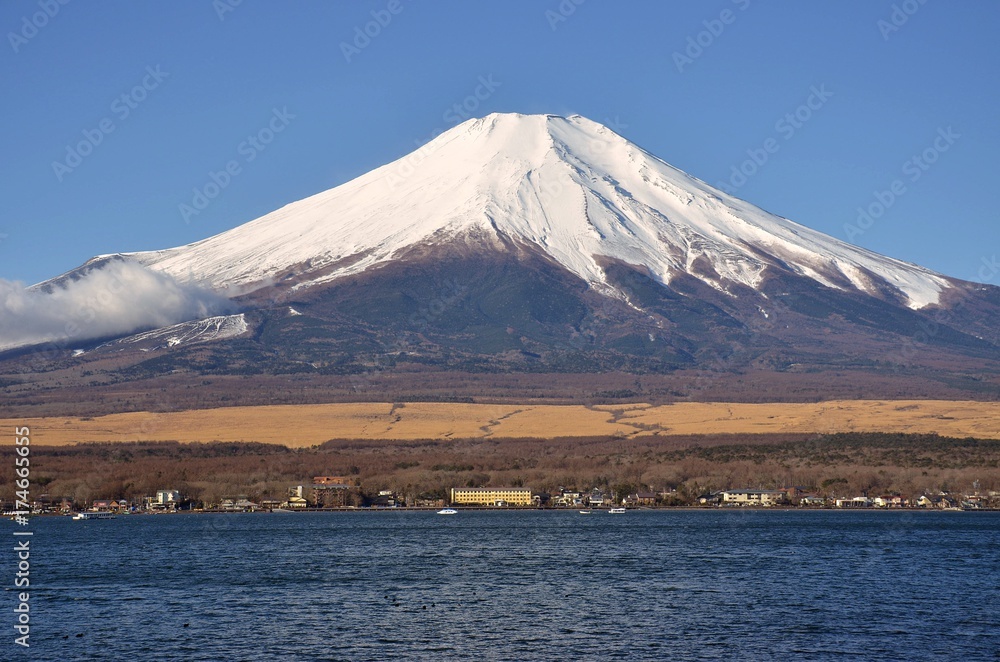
570,186
219,327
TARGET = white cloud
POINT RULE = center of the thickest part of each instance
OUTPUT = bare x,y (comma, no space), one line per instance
116,299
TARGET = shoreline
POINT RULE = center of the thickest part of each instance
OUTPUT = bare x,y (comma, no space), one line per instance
422,509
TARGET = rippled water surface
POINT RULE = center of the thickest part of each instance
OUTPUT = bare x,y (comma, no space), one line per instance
659,585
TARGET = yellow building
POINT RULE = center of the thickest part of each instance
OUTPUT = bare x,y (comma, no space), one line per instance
491,496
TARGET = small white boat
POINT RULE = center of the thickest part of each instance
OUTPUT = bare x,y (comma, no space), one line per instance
584,512
101,515
447,511
617,511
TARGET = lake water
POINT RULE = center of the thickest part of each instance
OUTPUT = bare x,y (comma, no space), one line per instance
657,585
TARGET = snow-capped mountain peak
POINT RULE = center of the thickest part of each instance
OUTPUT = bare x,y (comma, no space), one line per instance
568,186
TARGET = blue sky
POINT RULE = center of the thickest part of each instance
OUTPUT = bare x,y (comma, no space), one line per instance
165,93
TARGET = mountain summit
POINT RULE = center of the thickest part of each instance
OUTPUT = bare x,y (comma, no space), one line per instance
537,256
569,187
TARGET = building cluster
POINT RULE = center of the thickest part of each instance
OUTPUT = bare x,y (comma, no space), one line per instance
163,500
798,496
335,492
598,498
341,492
501,497
323,492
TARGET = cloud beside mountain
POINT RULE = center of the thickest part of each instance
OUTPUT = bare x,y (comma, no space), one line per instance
118,298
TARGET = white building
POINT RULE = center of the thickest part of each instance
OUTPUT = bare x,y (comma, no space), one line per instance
753,497
855,502
891,501
164,499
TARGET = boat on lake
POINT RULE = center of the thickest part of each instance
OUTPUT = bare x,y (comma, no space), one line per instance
447,511
617,511
101,515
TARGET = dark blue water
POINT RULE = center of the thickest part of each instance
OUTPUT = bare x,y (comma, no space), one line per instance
515,585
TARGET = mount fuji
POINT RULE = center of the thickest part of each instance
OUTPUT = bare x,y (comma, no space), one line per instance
545,245
567,187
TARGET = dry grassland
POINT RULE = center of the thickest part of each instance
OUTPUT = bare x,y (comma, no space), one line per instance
308,425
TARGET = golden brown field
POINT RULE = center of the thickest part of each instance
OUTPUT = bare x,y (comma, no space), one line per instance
308,425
